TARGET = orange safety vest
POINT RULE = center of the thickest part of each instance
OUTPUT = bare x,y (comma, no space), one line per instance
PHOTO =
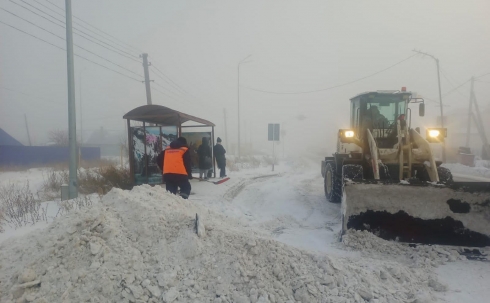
173,162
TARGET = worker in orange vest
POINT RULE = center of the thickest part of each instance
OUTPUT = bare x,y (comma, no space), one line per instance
175,163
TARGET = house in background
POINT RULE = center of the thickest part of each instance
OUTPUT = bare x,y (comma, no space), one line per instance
12,152
6,139
109,142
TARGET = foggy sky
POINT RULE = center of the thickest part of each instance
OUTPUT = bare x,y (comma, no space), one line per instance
294,46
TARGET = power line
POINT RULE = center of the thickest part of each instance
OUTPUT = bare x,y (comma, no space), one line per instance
180,99
103,66
83,34
103,58
165,88
175,91
166,81
450,82
481,76
83,26
62,26
163,93
331,87
22,93
174,98
171,81
134,48
454,89
176,86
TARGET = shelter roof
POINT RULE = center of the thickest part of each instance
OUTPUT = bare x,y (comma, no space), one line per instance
162,115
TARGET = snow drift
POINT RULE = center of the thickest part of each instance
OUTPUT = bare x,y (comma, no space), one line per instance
141,246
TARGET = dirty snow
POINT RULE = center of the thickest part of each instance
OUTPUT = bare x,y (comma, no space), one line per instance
482,169
264,237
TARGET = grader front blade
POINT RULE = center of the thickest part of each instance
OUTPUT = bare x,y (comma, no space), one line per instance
456,214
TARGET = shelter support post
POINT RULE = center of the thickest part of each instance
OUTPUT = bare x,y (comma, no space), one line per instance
130,152
212,152
180,127
145,156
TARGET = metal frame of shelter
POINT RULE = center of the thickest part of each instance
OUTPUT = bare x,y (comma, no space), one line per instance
158,115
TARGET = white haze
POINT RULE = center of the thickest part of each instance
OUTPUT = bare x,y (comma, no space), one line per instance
295,46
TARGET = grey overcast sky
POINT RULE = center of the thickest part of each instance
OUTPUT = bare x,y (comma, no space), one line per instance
295,46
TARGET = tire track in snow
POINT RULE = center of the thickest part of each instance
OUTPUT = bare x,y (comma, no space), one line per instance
236,189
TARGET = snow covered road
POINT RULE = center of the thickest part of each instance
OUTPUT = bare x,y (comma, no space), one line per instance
288,204
255,207
292,208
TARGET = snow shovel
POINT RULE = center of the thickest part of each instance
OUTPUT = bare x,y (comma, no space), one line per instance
215,182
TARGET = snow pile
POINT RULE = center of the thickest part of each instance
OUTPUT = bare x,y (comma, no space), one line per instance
478,170
141,246
482,163
419,255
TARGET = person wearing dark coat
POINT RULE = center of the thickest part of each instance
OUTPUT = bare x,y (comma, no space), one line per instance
219,154
176,165
205,158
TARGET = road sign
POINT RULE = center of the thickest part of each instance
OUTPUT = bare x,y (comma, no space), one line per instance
273,134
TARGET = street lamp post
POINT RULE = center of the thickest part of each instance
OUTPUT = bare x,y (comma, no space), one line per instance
238,97
440,97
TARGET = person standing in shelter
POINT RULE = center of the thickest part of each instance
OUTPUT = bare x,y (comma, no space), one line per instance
175,163
219,154
205,160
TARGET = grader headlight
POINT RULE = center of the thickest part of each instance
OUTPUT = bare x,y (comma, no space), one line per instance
349,134
436,135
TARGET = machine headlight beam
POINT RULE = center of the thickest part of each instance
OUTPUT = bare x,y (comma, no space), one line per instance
434,133
349,134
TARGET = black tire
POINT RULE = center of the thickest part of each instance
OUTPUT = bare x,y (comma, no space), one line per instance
445,175
352,172
332,183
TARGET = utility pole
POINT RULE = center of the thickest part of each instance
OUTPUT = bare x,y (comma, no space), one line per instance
470,113
479,125
245,135
226,128
147,77
72,127
27,128
440,99
81,112
238,97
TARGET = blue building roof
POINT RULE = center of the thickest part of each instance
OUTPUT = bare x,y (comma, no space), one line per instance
6,139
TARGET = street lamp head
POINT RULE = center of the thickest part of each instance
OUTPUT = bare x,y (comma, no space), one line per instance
245,59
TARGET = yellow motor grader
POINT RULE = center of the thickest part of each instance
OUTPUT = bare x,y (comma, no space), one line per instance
386,177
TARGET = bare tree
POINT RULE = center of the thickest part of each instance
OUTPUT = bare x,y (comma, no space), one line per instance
59,137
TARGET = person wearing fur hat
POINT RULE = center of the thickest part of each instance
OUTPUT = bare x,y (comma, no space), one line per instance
176,166
219,154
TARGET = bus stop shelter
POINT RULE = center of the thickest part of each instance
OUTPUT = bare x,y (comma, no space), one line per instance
160,126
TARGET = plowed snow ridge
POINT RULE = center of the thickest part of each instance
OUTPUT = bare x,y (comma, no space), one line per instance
140,246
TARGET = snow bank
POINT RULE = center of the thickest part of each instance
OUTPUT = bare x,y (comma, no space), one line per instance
419,256
141,246
479,170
